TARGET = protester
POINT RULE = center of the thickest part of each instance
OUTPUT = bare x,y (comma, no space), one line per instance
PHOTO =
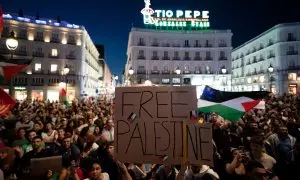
263,144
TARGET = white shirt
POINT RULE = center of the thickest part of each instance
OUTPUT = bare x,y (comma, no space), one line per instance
105,176
108,134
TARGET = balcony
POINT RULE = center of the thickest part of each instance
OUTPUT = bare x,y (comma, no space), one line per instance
39,38
197,58
222,45
254,61
51,56
166,58
293,68
4,51
141,57
176,58
154,72
53,72
38,54
292,53
166,45
291,38
198,72
208,59
186,58
70,56
270,43
271,56
54,40
261,59
141,71
72,42
155,58
165,72
38,72
187,45
141,43
21,53
176,45
208,45
197,45
187,72
247,63
155,44
222,58
22,36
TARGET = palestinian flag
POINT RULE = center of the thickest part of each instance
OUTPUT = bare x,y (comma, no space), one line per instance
132,118
229,105
7,72
6,103
63,95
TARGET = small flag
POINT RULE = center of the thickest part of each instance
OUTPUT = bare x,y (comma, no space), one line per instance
132,118
193,115
164,158
63,95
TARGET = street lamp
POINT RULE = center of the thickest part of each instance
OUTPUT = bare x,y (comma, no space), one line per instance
223,70
270,69
66,70
131,71
177,71
12,43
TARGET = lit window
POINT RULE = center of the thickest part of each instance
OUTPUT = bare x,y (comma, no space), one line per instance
38,67
54,52
53,67
292,76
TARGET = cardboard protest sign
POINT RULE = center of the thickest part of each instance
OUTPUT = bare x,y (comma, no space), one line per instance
40,166
152,124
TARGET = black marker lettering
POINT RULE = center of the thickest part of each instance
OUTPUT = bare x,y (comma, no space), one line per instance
137,137
143,103
157,104
122,133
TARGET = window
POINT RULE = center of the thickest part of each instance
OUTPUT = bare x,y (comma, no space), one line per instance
291,49
54,52
23,33
39,49
186,43
165,81
141,42
39,34
38,67
222,54
166,68
154,68
208,55
155,43
53,67
54,37
166,54
186,54
176,54
197,43
154,53
290,37
176,80
197,54
292,77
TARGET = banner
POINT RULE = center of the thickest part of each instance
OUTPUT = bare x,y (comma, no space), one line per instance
153,125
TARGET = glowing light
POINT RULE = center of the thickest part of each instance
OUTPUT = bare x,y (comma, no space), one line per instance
47,39
23,19
30,37
249,80
41,22
62,85
78,43
7,16
56,24
64,41
148,83
262,79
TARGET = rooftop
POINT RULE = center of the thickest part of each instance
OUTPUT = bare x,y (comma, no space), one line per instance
40,21
181,31
266,32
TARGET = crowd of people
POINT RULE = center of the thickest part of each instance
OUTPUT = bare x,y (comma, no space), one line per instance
263,145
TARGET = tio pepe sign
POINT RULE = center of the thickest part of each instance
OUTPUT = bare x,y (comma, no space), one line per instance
178,18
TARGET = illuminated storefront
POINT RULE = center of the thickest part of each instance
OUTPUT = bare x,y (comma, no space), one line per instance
53,95
37,95
20,93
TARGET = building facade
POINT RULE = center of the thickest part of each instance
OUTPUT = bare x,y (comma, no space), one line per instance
277,48
176,57
53,45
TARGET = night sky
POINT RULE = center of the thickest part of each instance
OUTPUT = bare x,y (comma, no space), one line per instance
109,21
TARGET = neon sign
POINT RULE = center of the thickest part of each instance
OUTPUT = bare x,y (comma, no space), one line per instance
178,18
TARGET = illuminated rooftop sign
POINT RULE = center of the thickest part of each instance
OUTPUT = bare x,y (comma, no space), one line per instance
42,21
178,18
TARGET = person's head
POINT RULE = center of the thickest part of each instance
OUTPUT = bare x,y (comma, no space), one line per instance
31,135
37,142
97,130
67,142
90,139
283,132
49,126
64,122
253,125
37,126
61,133
256,145
109,124
110,149
25,117
96,171
195,168
21,133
